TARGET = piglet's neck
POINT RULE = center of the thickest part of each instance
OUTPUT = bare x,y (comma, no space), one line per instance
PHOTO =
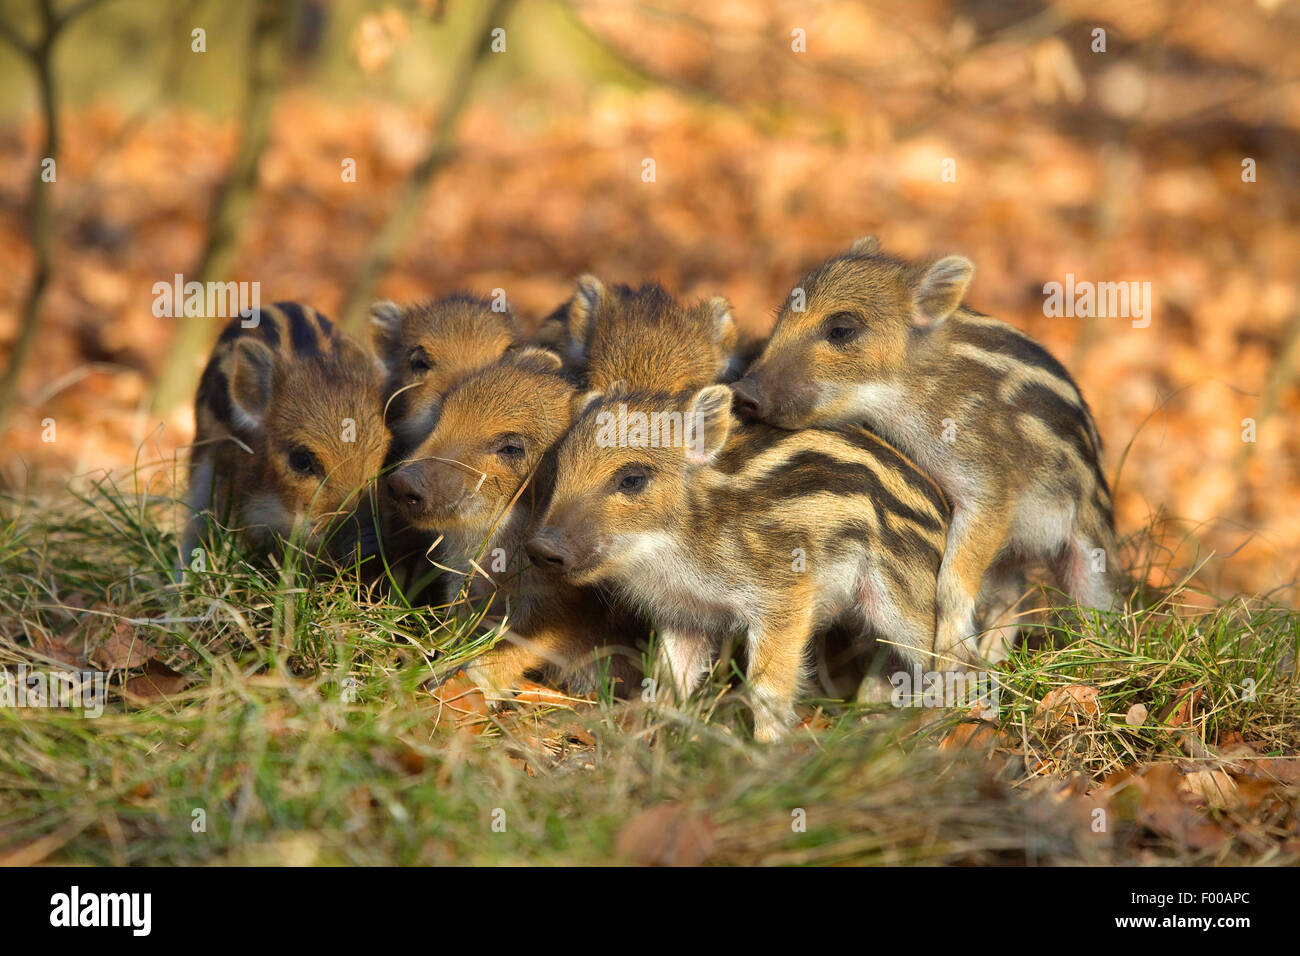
509,534
513,530
506,532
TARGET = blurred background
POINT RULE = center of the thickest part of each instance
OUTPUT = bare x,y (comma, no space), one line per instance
1161,149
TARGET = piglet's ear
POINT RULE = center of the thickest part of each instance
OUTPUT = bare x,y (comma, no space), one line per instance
385,326
536,359
357,356
724,323
865,246
553,332
252,372
582,401
941,290
708,421
582,308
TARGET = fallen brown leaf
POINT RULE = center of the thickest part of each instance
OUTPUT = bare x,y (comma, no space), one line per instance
1183,709
1066,706
156,683
1283,770
1164,810
412,760
1214,787
459,703
124,648
1233,747
666,835
65,650
970,735
1252,792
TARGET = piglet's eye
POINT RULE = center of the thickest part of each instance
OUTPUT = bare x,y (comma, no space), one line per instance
420,361
303,462
509,447
842,329
631,481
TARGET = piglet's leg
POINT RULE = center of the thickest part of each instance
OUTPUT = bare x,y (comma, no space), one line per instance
1083,571
1002,601
684,659
776,655
196,522
974,539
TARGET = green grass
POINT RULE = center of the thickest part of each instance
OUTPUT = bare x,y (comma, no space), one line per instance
291,762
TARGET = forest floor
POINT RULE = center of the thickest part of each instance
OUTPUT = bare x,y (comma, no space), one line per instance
267,716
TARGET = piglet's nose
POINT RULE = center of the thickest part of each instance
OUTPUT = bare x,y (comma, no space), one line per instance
547,553
404,491
750,401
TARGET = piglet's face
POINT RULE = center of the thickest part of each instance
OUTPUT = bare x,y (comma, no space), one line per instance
624,473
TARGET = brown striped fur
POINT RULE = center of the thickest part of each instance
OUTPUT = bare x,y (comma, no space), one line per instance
480,478
643,337
745,529
978,404
430,346
275,409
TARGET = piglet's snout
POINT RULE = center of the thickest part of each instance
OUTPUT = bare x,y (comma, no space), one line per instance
547,550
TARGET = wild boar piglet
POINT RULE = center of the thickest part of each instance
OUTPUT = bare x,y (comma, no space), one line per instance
289,435
643,337
714,528
428,347
866,338
480,479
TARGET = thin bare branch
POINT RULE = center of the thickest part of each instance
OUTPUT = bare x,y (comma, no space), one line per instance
40,231
15,39
402,220
268,42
